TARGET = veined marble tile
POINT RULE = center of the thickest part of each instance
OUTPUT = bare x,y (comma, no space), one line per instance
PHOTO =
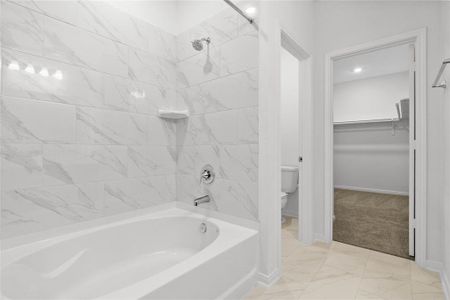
83,164
239,54
150,68
32,32
219,28
104,19
214,128
71,44
188,188
20,216
202,67
192,158
240,163
193,131
385,288
147,161
228,197
98,126
148,98
233,162
222,126
235,198
21,165
131,194
161,132
235,91
134,96
129,30
22,29
112,23
67,11
29,121
76,85
248,125
138,129
381,265
34,209
119,93
332,283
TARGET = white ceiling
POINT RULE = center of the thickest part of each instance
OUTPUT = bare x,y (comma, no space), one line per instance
376,63
173,16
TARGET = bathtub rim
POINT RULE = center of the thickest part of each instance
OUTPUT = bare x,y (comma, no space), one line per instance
10,243
230,236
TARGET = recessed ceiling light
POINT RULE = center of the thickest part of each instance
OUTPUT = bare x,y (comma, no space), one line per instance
250,11
357,70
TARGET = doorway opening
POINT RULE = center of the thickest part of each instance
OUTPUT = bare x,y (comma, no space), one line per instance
290,141
295,132
375,136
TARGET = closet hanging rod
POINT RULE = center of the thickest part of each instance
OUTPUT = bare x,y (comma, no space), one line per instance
437,82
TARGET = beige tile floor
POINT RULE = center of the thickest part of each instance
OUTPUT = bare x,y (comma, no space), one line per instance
340,271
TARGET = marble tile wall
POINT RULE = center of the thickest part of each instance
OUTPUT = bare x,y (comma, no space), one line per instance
219,86
81,85
80,137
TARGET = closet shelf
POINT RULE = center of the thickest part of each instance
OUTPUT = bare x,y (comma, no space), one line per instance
367,121
173,114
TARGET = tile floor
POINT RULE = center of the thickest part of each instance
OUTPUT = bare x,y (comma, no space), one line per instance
340,271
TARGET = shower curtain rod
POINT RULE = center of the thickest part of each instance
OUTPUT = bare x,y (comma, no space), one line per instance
233,6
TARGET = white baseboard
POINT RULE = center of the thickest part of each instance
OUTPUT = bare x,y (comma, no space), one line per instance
370,190
289,213
432,265
445,284
437,266
242,288
268,280
320,238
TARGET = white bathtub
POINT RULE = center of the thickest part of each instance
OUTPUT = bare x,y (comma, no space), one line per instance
159,255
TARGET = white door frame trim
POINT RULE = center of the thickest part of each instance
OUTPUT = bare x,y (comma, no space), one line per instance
305,225
418,38
272,38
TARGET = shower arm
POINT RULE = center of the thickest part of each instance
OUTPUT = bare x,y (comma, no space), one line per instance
233,6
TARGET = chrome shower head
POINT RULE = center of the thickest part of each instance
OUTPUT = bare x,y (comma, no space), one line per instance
198,44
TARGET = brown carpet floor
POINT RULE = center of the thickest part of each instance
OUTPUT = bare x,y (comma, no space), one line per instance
375,221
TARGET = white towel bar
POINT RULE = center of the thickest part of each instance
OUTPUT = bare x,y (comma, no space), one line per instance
437,82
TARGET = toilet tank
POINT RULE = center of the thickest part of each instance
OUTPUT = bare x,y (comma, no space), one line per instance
289,179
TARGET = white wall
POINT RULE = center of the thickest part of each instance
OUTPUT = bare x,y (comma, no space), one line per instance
445,12
371,98
371,157
289,108
368,157
289,120
343,24
295,17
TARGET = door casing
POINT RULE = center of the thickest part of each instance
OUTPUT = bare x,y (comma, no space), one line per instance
418,39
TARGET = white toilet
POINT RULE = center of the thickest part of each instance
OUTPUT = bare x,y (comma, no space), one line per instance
289,183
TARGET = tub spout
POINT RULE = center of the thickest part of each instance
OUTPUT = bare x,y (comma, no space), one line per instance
202,199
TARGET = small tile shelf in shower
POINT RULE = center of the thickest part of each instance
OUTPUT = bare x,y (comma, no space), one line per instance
173,114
